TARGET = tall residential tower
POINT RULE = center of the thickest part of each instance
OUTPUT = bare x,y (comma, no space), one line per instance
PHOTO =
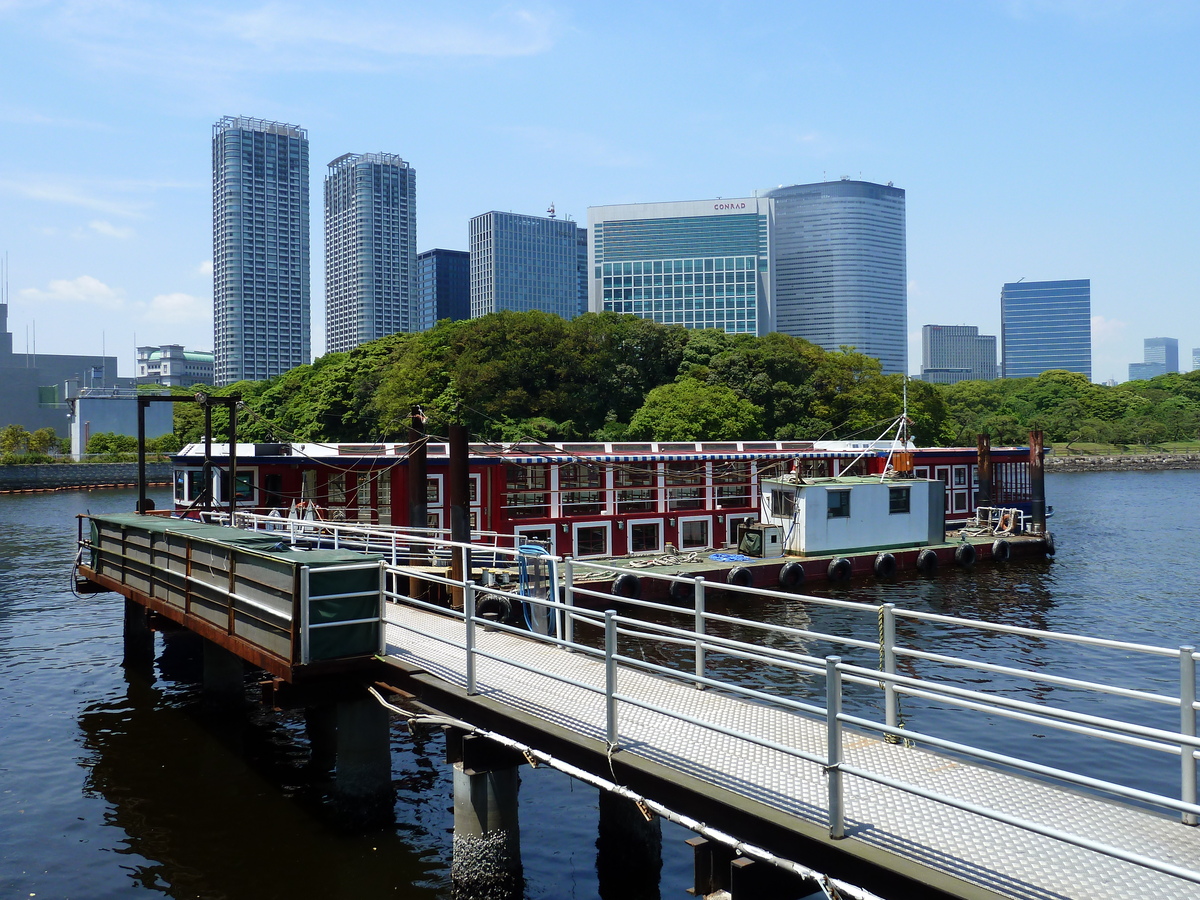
370,249
260,249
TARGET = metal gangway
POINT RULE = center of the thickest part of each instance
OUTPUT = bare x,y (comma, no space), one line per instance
824,733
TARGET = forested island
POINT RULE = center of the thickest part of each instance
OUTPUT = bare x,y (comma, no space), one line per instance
602,376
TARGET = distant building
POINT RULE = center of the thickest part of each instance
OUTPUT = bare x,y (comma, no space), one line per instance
953,353
696,263
113,411
824,262
1195,358
1159,356
34,387
370,249
1162,350
1046,325
443,287
172,366
260,249
523,262
840,267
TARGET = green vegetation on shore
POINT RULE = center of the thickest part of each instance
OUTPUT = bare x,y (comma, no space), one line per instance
509,376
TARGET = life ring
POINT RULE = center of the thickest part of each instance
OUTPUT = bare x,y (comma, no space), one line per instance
682,591
927,561
1001,550
885,566
739,576
791,576
1006,523
839,569
627,585
964,555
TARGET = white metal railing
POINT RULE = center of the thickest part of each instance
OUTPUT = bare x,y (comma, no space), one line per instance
584,606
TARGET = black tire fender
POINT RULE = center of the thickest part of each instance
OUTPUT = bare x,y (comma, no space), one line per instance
627,585
791,576
839,569
885,566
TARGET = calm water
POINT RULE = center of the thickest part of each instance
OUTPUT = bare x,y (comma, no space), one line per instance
111,785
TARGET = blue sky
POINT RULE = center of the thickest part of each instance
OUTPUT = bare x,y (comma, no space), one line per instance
1036,139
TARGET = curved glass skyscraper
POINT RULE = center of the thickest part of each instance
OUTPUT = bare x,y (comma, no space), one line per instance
840,273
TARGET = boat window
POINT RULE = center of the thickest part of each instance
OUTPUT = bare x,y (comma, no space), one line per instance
245,486
433,490
636,488
685,485
337,496
591,540
582,489
899,500
693,534
273,489
732,480
645,537
783,503
839,504
384,491
362,498
526,496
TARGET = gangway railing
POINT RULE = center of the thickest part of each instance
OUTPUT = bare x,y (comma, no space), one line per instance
698,666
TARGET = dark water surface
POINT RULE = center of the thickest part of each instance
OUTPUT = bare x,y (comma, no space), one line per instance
113,786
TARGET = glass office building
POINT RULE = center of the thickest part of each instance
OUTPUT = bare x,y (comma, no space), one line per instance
1046,325
697,263
840,267
443,287
953,353
260,249
370,249
523,262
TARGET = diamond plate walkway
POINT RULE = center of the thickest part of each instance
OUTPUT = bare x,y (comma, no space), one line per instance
1001,859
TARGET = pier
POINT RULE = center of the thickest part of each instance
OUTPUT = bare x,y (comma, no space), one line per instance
812,760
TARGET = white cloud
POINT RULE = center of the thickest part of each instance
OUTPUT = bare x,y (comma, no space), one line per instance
205,269
1107,330
73,195
84,290
178,309
110,230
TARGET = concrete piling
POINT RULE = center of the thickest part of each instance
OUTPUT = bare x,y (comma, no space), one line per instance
628,850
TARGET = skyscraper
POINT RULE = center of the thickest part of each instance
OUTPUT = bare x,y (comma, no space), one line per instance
370,249
523,262
696,263
260,248
1046,325
840,269
1162,350
953,353
443,287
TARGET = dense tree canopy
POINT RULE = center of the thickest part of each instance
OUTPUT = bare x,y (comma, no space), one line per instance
604,376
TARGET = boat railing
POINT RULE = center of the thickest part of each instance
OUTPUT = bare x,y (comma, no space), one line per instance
709,650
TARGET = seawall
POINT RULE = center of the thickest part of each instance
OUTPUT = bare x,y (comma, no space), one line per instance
62,476
1149,462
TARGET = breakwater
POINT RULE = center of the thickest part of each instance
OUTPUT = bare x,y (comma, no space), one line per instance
61,476
1147,462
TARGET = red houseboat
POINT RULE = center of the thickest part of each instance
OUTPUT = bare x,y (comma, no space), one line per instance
587,500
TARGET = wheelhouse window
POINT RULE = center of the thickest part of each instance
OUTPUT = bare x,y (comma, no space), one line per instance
525,491
783,503
245,487
685,485
732,481
899,500
635,489
189,483
839,504
582,489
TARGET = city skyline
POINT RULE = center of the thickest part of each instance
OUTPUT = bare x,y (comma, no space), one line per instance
1005,179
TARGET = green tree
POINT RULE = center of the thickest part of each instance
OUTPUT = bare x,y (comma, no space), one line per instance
43,441
13,439
690,410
